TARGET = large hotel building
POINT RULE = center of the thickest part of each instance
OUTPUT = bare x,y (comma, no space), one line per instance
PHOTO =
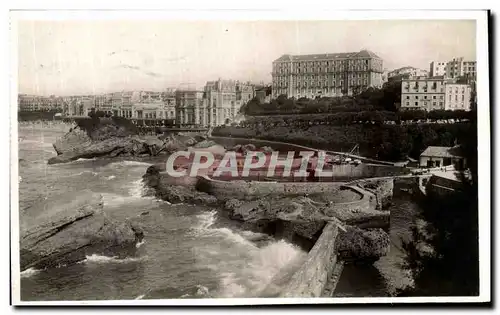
334,74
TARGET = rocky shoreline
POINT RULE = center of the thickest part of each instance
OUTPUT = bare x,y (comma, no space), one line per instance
109,139
66,229
296,217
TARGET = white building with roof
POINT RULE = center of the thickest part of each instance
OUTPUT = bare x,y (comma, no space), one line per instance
435,156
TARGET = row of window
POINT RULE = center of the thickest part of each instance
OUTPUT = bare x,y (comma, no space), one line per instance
326,63
425,103
425,97
324,70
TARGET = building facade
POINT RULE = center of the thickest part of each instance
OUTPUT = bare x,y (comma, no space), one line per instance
437,68
457,67
422,93
190,108
458,97
224,99
335,74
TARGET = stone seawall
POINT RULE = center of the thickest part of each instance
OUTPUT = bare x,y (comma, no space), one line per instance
381,188
242,189
311,279
361,205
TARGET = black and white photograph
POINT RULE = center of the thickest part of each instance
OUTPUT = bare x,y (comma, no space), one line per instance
242,159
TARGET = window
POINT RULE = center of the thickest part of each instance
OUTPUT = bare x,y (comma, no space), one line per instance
434,97
434,103
416,103
441,103
425,97
416,97
463,98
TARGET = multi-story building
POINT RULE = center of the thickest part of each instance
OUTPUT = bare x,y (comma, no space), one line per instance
457,67
27,103
221,101
244,92
334,74
100,102
147,110
409,71
437,68
169,101
458,96
190,108
126,106
422,93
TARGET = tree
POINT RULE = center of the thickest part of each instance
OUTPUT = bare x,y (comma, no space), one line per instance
443,257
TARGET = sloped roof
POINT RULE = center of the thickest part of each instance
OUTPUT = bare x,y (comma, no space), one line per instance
361,54
367,54
445,152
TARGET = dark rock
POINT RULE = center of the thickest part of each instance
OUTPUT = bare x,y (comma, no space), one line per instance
205,144
183,194
356,244
285,217
109,140
200,138
66,229
77,144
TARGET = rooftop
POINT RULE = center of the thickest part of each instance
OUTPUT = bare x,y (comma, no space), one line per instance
445,152
346,55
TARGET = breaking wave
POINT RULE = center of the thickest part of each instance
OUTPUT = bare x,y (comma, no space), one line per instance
100,259
244,269
29,272
128,163
84,160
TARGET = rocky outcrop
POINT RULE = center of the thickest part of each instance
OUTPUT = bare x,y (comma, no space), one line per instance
302,219
182,194
205,144
366,245
175,189
68,228
245,148
109,140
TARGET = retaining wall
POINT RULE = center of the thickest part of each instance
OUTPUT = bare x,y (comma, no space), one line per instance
381,188
312,277
361,205
241,189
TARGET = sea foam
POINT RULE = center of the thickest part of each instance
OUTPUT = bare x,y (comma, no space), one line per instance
101,259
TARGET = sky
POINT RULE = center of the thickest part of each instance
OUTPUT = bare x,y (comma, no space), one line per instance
92,57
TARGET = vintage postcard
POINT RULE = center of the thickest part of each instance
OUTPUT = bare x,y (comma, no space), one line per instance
242,158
